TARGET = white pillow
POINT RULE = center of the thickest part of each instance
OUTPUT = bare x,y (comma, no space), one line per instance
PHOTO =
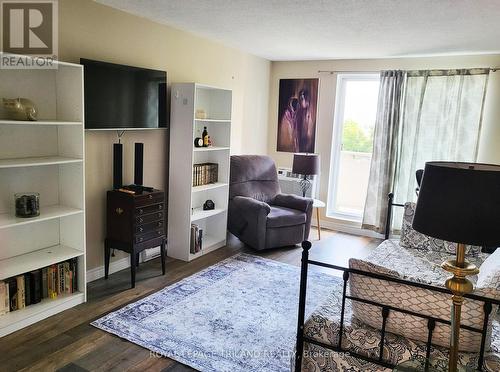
488,279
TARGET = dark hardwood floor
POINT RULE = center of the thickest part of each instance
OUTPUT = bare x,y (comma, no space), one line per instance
67,341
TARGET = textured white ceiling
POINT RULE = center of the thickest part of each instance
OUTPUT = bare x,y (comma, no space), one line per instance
327,29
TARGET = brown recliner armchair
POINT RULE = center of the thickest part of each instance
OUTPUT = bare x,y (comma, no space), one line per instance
259,215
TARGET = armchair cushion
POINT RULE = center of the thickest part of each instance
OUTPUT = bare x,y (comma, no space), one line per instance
281,217
293,201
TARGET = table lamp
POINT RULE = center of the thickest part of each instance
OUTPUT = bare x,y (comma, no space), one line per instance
459,202
305,165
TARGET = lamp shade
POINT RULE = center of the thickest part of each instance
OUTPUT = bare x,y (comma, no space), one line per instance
307,164
460,202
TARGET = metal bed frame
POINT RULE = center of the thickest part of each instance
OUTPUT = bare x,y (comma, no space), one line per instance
385,309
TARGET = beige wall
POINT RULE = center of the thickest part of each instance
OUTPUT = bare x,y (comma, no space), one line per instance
91,30
489,147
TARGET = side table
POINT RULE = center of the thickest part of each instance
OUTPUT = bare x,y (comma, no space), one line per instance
318,204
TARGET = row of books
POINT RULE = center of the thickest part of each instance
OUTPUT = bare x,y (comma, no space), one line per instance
30,288
205,173
196,239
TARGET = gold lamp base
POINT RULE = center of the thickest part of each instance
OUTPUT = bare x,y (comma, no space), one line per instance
459,285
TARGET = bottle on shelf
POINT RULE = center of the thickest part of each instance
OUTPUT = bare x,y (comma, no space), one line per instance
204,136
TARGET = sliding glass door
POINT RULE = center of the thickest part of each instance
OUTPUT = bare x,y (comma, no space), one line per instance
352,142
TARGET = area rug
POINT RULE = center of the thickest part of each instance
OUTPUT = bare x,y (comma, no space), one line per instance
237,315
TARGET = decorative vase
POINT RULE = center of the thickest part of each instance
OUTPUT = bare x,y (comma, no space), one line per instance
27,204
20,109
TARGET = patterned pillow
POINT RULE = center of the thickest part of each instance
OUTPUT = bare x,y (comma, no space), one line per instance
411,238
488,279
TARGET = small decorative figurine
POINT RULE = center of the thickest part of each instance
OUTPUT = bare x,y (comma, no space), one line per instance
198,142
27,204
208,205
20,109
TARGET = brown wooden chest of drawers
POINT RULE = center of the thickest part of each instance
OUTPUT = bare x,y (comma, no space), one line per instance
135,222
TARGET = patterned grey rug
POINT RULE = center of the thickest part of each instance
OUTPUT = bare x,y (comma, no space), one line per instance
238,315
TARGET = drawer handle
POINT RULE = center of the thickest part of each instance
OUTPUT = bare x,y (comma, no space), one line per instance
159,232
141,239
160,224
119,210
141,219
160,206
141,229
150,196
159,215
141,211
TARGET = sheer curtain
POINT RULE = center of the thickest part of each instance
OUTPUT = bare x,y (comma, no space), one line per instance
439,119
385,149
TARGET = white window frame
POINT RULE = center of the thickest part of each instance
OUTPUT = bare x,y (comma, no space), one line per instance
338,126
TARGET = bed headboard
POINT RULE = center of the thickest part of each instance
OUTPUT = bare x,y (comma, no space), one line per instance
391,204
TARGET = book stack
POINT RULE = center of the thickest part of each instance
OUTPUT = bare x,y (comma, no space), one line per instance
30,288
205,173
196,239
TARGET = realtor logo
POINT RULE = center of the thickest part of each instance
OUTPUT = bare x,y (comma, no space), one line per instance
29,28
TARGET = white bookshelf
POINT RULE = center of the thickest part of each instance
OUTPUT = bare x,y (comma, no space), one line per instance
186,201
44,156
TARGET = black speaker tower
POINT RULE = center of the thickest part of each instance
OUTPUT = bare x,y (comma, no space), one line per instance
138,163
117,165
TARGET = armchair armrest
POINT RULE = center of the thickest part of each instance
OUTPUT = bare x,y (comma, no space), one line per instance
293,202
251,206
247,220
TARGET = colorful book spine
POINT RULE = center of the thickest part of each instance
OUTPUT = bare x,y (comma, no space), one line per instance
36,286
4,303
45,288
12,284
74,269
27,289
21,303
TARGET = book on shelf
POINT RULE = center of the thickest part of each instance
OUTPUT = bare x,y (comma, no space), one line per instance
36,286
45,292
32,287
196,244
4,298
205,173
20,292
27,289
11,284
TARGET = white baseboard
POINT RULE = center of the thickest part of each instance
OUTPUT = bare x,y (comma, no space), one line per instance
114,266
348,228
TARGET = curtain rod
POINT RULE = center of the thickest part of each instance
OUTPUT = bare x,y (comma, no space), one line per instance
331,72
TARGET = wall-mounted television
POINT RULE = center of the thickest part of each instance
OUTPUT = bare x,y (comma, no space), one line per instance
119,97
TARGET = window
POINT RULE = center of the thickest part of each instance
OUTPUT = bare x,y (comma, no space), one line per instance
354,123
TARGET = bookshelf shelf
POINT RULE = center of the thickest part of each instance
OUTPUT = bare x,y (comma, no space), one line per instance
37,161
15,320
213,120
46,157
200,214
33,260
187,98
38,122
211,148
210,186
46,213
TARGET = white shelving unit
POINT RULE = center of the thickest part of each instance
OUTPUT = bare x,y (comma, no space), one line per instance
44,156
185,201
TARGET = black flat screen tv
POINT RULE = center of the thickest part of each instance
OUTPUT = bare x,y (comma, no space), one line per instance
119,97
